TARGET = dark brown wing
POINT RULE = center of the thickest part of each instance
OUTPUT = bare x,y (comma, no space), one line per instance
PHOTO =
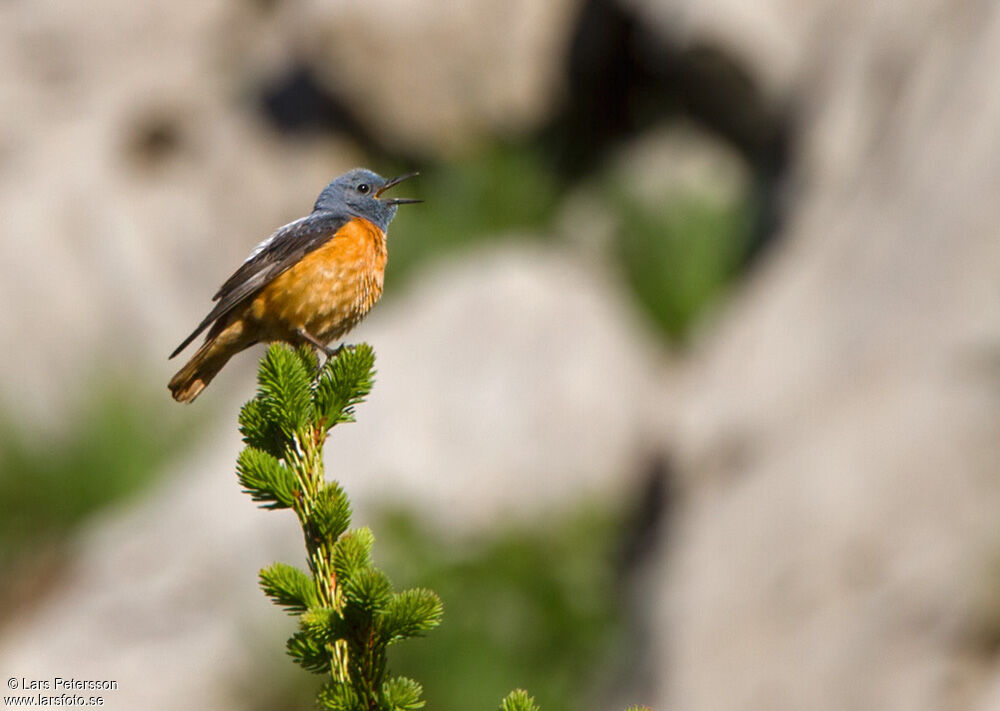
273,256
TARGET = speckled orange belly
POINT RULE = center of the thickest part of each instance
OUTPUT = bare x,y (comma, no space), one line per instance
329,290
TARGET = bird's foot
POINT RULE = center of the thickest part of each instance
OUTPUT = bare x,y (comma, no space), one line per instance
318,344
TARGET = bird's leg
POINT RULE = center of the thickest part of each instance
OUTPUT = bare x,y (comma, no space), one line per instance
306,336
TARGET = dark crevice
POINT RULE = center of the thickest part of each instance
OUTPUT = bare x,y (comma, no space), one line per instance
634,669
297,103
647,518
622,78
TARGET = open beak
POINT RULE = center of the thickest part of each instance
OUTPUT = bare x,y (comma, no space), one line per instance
396,181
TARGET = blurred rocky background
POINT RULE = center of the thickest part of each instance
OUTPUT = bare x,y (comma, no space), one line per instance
689,365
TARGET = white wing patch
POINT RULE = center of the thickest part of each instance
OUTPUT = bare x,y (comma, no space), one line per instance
274,235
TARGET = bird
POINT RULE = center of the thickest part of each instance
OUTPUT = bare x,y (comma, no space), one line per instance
310,282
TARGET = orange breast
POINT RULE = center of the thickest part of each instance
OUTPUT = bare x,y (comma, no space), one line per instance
329,290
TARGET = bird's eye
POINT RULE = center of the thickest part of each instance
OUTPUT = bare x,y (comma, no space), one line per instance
363,188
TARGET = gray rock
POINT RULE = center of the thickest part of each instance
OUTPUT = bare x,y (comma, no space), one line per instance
836,434
442,75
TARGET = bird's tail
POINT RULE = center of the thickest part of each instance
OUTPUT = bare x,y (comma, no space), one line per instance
204,365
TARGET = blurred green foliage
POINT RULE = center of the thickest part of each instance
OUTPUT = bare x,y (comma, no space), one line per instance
536,609
678,253
114,444
680,256
502,188
532,608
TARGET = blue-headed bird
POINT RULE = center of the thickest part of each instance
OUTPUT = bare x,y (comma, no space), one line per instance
308,283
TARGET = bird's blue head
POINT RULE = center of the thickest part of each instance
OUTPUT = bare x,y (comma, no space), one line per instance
359,193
